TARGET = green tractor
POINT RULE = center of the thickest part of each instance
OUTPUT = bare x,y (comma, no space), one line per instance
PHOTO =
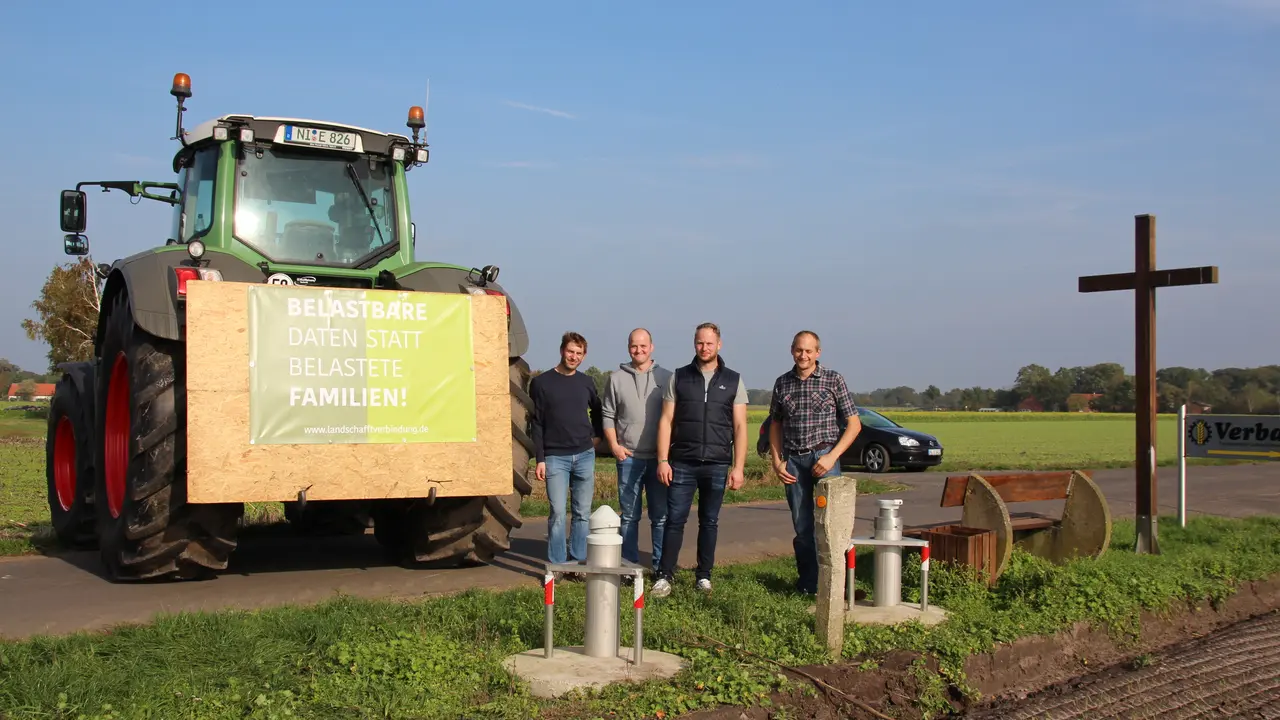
264,200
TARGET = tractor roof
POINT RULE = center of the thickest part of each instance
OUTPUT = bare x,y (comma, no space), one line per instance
204,130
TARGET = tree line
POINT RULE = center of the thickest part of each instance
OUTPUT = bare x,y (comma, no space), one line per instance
1104,387
67,316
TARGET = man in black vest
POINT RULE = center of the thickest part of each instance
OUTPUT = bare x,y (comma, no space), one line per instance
702,446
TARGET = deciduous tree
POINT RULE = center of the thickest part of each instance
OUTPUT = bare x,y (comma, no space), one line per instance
67,312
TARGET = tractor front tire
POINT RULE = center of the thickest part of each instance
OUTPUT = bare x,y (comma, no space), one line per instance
469,530
69,467
146,528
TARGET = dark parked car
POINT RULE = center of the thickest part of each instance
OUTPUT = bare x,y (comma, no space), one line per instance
880,445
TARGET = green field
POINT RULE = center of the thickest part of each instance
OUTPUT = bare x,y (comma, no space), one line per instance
972,441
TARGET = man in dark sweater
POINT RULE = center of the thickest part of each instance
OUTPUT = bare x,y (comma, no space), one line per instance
567,428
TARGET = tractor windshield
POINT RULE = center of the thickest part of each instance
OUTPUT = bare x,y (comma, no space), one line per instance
310,208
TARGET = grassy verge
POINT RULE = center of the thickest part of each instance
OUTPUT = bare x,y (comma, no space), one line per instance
986,441
442,658
24,510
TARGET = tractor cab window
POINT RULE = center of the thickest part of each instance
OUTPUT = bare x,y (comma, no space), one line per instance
311,208
196,213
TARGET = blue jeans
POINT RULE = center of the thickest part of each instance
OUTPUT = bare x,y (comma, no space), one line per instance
563,473
637,476
800,500
709,481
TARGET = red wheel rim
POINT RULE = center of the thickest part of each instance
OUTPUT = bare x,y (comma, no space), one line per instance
64,463
116,435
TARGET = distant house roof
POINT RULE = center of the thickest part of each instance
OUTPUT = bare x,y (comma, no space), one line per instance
1032,404
43,390
1082,401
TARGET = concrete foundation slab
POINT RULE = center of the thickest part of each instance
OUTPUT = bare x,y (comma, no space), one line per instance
569,668
866,613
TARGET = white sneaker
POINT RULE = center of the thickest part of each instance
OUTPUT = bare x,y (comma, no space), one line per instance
704,585
662,588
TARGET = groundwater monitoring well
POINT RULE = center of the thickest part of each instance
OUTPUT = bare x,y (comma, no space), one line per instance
601,660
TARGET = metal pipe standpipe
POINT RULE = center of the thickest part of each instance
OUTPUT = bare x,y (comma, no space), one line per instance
888,571
604,549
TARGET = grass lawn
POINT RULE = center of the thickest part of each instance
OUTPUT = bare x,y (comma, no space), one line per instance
16,422
440,658
972,441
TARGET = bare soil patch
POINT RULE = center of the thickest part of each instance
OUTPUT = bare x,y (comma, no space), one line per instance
1232,673
1083,670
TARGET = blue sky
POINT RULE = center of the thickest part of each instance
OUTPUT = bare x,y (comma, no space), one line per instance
921,188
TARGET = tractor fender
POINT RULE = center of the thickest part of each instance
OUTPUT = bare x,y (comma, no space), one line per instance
454,280
152,287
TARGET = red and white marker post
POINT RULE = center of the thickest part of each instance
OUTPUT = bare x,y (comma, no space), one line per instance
850,562
549,599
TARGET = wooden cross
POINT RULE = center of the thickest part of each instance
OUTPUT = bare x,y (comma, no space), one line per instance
1144,281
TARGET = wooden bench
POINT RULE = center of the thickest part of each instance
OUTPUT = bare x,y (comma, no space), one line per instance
1083,530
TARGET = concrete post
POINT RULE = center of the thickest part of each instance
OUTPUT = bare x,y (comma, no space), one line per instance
604,549
834,505
888,573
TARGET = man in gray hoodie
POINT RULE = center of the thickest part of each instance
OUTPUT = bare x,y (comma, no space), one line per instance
631,405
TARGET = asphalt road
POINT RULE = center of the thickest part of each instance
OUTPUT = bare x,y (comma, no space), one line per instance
55,595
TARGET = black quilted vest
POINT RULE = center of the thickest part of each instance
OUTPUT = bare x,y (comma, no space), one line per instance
702,428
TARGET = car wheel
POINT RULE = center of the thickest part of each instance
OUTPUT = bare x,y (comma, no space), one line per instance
875,458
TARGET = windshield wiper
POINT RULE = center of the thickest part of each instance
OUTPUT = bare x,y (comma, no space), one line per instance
355,179
378,256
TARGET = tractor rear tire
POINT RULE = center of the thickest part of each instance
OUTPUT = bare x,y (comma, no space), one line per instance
146,529
468,530
69,467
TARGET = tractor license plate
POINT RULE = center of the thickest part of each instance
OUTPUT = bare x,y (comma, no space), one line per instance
935,451
319,137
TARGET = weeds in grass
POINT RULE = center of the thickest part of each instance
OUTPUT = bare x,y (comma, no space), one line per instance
441,658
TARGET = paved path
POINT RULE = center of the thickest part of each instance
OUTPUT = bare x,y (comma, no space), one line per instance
65,594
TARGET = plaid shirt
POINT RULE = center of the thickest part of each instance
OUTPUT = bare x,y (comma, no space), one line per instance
809,409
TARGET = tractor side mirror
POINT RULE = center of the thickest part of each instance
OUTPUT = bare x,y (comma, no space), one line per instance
75,244
72,209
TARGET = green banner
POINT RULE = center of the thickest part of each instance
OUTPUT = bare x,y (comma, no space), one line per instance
332,365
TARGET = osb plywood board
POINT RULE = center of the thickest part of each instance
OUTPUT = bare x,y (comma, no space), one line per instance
223,465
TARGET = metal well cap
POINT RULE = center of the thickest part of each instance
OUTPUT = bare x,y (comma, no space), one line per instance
605,519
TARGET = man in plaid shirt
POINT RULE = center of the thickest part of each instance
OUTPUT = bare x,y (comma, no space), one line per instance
805,441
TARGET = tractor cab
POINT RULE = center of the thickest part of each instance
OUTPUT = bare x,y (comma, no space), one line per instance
281,192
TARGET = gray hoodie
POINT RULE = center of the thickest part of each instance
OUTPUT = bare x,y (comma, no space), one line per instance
632,404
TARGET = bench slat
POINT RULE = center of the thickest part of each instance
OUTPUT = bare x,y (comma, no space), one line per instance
1031,523
1012,487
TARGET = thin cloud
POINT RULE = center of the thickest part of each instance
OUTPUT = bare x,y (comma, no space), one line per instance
731,161
1246,11
1268,9
535,108
136,160
525,164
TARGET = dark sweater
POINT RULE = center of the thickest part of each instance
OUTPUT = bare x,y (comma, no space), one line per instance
561,403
